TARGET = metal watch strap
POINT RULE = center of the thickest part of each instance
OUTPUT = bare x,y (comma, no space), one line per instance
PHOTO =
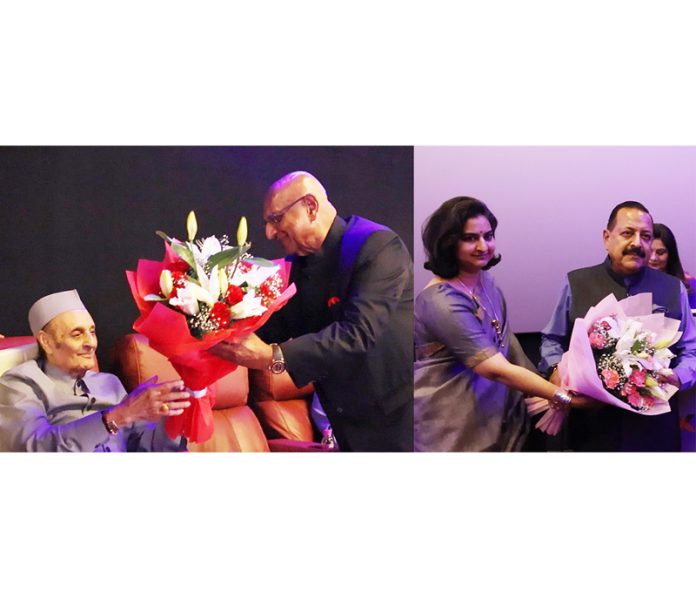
278,360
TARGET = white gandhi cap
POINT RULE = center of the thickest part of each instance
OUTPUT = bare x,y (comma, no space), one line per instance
50,306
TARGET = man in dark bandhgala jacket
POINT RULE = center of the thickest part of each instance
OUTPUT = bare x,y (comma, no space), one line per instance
599,427
349,327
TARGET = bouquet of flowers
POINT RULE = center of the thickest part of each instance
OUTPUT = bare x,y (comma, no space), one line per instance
204,292
619,355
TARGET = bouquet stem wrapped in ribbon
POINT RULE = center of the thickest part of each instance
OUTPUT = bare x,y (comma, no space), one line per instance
202,293
618,354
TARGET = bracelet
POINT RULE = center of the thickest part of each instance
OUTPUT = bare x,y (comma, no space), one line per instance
561,399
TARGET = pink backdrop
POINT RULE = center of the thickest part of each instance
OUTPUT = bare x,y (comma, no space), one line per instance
552,204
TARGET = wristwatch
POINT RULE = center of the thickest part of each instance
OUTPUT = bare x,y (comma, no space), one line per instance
277,365
109,424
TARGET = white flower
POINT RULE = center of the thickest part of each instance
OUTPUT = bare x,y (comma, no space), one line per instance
249,306
166,283
191,226
255,277
629,334
222,279
204,250
209,285
186,300
242,231
202,294
614,330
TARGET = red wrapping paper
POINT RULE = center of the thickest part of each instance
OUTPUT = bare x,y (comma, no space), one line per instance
168,333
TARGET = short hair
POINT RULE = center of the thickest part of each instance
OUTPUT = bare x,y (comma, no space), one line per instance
674,266
443,230
42,357
625,204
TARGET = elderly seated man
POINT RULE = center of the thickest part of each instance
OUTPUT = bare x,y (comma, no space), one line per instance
56,403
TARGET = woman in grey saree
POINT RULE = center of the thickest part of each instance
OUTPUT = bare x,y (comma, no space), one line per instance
470,372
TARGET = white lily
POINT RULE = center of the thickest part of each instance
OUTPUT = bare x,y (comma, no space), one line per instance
209,284
249,306
202,295
204,250
186,300
222,279
629,333
657,392
242,231
614,328
191,226
255,277
166,283
668,339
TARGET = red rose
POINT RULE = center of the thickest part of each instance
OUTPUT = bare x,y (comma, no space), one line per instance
220,315
234,295
179,279
179,266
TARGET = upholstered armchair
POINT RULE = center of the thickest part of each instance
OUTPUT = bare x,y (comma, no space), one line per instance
237,428
15,350
282,409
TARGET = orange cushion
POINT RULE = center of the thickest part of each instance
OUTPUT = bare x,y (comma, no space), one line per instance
136,362
236,430
265,386
285,419
232,390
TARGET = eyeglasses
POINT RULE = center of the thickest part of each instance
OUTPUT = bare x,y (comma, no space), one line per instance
276,217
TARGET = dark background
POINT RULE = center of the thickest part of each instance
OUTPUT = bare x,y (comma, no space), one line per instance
79,217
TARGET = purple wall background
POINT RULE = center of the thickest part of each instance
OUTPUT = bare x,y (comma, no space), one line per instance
552,204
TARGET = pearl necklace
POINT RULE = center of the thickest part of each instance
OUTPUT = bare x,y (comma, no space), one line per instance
481,308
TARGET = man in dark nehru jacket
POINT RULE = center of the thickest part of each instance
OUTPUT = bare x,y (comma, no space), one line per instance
594,426
349,328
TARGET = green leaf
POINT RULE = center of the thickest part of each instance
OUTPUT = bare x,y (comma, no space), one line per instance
259,261
184,253
164,236
224,257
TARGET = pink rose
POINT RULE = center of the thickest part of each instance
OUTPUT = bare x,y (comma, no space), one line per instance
637,377
628,389
611,378
636,400
597,341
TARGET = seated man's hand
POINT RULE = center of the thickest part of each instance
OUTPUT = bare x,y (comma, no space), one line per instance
250,352
150,401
